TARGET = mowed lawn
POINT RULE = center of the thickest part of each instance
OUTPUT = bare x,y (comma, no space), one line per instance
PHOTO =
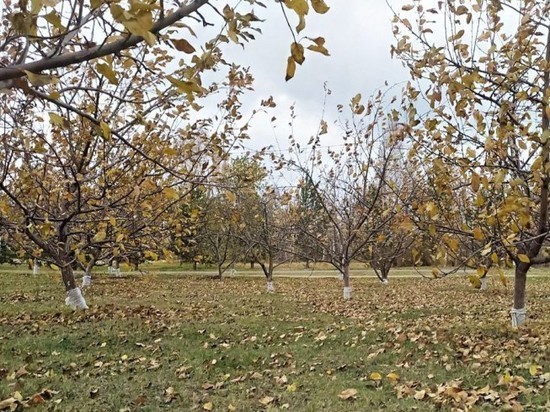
185,343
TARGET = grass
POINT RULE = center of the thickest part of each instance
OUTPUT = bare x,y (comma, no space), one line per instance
290,269
169,342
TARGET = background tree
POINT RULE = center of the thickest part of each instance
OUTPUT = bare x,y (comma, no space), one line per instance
487,86
75,191
350,185
307,210
268,230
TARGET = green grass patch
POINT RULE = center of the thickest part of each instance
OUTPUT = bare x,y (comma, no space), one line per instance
164,342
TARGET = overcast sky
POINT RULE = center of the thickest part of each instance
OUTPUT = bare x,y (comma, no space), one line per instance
358,35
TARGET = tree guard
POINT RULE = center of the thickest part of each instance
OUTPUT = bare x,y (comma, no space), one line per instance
518,316
270,287
483,283
86,281
347,292
75,299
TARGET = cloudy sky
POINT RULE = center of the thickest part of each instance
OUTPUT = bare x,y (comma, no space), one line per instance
358,35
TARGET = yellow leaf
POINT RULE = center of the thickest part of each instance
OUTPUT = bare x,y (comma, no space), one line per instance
171,193
290,69
301,8
230,196
534,370
348,394
208,406
475,182
319,49
139,28
394,377
475,281
419,395
150,255
266,400
107,71
502,277
291,388
99,236
478,234
54,19
319,6
56,119
297,52
375,376
185,86
301,24
106,130
40,79
523,258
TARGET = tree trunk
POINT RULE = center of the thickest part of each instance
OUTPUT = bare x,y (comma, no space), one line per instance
74,297
307,263
116,268
194,265
87,278
520,280
252,264
385,273
136,265
220,271
346,281
269,276
270,286
484,280
35,267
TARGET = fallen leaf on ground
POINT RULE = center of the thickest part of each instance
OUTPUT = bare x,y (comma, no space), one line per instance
348,394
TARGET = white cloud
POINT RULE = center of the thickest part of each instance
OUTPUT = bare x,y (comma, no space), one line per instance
358,35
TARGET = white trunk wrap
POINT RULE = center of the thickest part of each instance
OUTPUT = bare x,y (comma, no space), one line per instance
347,292
75,299
483,283
518,316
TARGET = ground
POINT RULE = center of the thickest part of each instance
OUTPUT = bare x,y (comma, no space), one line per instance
168,342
